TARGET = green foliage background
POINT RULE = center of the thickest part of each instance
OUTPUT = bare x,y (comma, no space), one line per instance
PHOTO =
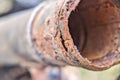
110,74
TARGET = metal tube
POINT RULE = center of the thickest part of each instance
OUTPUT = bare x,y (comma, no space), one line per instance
62,33
14,46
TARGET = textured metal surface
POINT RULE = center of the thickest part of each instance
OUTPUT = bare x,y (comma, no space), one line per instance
55,33
52,38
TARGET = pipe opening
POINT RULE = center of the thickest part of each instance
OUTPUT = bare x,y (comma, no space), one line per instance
93,28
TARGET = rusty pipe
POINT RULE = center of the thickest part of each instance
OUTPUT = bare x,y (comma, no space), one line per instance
78,33
66,32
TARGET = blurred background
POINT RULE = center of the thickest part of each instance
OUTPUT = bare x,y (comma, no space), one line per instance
17,73
12,6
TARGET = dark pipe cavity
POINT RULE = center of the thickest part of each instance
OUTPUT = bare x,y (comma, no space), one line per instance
91,28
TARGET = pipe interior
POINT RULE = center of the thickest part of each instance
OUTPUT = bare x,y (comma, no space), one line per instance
91,28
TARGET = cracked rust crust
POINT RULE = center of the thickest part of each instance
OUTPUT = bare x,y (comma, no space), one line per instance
78,33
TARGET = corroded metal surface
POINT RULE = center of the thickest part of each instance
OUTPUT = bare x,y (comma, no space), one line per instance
78,33
65,32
